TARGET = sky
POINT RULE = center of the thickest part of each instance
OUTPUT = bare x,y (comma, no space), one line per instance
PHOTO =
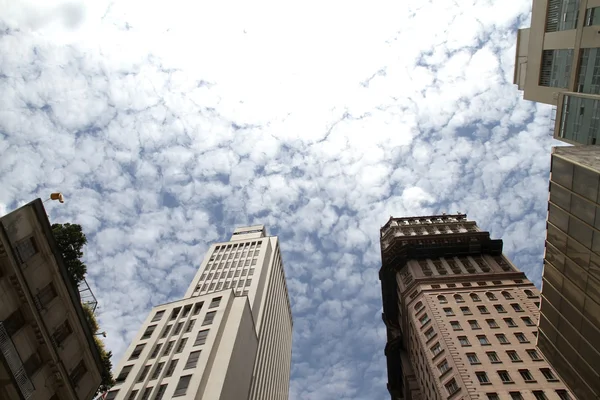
167,124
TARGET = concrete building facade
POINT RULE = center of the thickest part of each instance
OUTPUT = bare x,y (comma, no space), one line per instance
557,62
461,319
47,348
570,313
230,337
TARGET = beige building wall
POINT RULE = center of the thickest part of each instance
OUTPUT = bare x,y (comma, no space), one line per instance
47,347
245,276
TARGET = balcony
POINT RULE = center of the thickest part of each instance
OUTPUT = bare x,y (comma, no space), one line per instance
15,364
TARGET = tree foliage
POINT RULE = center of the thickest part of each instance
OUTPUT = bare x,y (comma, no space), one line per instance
107,378
70,240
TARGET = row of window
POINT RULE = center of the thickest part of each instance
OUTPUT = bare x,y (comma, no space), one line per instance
178,327
500,262
474,324
490,296
424,319
512,355
235,246
234,255
225,285
484,341
538,394
227,274
527,376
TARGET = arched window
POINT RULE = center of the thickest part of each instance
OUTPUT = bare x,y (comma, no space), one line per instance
474,297
442,299
507,295
418,306
458,298
490,295
529,293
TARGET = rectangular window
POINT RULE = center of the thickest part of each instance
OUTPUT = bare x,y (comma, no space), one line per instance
144,373
455,325
528,321
555,68
514,357
160,392
452,387
208,319
32,364
548,374
186,312
146,394
443,366
505,377
178,328
77,373
492,396
155,351
148,332
158,316
472,357
534,355
14,322
515,396
424,319
212,286
201,338
166,331
539,395
137,351
112,395
190,325
563,394
168,348
499,308
483,340
46,295
464,341
175,313
510,323
25,249
124,373
197,308
592,16
466,311
482,377
237,273
517,307
492,323
248,282
182,385
483,309
241,283
62,332
436,349
521,338
502,338
192,360
448,312
429,333
526,375
157,371
493,357
171,368
181,345
132,395
251,272
474,324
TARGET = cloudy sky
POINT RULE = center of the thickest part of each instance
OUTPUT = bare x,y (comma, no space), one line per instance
167,124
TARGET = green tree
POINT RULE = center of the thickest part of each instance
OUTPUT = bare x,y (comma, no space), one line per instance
70,240
107,378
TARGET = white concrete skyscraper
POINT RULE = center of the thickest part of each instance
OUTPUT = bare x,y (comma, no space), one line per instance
230,337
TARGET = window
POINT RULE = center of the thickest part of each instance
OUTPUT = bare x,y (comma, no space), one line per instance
539,395
158,316
137,351
192,360
493,357
563,394
502,338
424,319
448,312
132,395
529,293
46,295
181,345
458,298
515,396
466,311
186,312
112,395
32,364
215,302
62,332
25,249
442,299
190,325
182,385
168,348
197,308
507,295
548,374
510,323
148,332
534,355
452,387
482,377
166,331
464,341
77,373
499,308
528,321
521,338
208,319
443,366
175,313
429,333
171,368
160,392
157,371
146,394
144,373
14,322
514,357
472,357
436,349
124,373
491,296
492,323
474,324
526,375
505,377
418,306
517,307
492,396
155,351
251,272
474,297
201,338
483,340
483,309
455,325
178,328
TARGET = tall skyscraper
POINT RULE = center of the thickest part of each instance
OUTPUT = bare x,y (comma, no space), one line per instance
230,337
461,319
570,313
558,62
